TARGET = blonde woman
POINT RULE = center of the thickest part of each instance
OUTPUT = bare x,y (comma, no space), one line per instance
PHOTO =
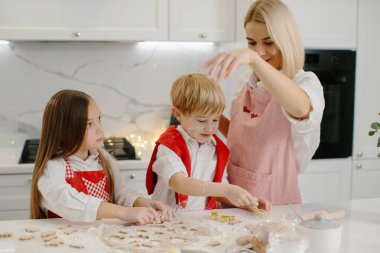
274,126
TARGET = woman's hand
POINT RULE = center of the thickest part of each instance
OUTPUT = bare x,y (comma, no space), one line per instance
224,64
166,212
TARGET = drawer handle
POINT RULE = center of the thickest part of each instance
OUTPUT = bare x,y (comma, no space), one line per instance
132,176
30,180
203,35
359,166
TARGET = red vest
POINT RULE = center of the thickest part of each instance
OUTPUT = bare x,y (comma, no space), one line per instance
173,139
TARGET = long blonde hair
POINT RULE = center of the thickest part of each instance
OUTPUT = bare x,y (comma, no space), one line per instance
196,92
283,29
63,131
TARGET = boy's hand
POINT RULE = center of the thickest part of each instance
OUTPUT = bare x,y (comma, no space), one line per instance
238,196
262,204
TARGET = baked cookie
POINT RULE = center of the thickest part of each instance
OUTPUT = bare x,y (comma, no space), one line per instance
76,245
6,235
26,237
31,229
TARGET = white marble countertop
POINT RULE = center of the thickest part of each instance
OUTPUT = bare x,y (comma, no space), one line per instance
26,168
361,227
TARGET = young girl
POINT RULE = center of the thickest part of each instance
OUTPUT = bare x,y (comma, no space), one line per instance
274,128
188,162
74,177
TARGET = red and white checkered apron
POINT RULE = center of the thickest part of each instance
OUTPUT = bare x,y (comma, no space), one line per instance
95,182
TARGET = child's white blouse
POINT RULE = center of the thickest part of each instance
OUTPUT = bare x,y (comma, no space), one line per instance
61,198
167,163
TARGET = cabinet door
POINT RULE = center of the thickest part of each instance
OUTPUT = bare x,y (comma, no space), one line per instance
367,102
15,196
84,20
202,20
326,180
136,179
323,24
365,179
326,23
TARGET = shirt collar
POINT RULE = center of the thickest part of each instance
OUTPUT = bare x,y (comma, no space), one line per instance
253,81
93,156
188,138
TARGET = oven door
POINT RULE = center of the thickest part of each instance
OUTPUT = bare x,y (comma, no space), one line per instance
337,121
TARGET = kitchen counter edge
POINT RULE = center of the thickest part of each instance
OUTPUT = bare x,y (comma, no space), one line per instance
27,168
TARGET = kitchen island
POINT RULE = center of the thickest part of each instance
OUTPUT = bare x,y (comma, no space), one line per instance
361,229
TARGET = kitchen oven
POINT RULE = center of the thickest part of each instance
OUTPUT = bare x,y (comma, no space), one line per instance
336,71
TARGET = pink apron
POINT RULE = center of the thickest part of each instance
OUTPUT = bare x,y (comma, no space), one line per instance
263,160
93,183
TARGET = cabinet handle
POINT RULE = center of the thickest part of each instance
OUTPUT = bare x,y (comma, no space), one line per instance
203,35
30,180
359,166
359,154
132,176
77,34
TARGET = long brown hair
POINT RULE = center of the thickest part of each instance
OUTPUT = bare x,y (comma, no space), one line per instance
63,131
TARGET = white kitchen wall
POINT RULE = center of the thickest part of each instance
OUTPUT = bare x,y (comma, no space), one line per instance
130,81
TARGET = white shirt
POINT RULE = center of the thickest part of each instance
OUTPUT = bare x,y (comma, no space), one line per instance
167,163
61,198
305,133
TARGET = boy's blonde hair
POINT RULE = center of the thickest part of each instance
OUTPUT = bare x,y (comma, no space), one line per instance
197,93
283,29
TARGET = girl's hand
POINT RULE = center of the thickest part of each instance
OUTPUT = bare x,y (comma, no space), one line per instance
224,64
138,215
238,196
166,212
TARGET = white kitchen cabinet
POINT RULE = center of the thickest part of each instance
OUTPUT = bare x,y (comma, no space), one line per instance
365,179
241,10
117,20
136,179
329,24
87,20
326,180
202,20
366,165
15,196
367,90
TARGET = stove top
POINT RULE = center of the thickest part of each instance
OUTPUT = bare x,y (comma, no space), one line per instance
119,147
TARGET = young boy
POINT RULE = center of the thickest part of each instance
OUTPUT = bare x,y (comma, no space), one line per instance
187,168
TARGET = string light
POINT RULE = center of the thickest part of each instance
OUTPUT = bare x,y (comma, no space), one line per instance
143,144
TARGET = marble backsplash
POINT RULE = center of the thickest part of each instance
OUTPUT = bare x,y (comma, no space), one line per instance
130,81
